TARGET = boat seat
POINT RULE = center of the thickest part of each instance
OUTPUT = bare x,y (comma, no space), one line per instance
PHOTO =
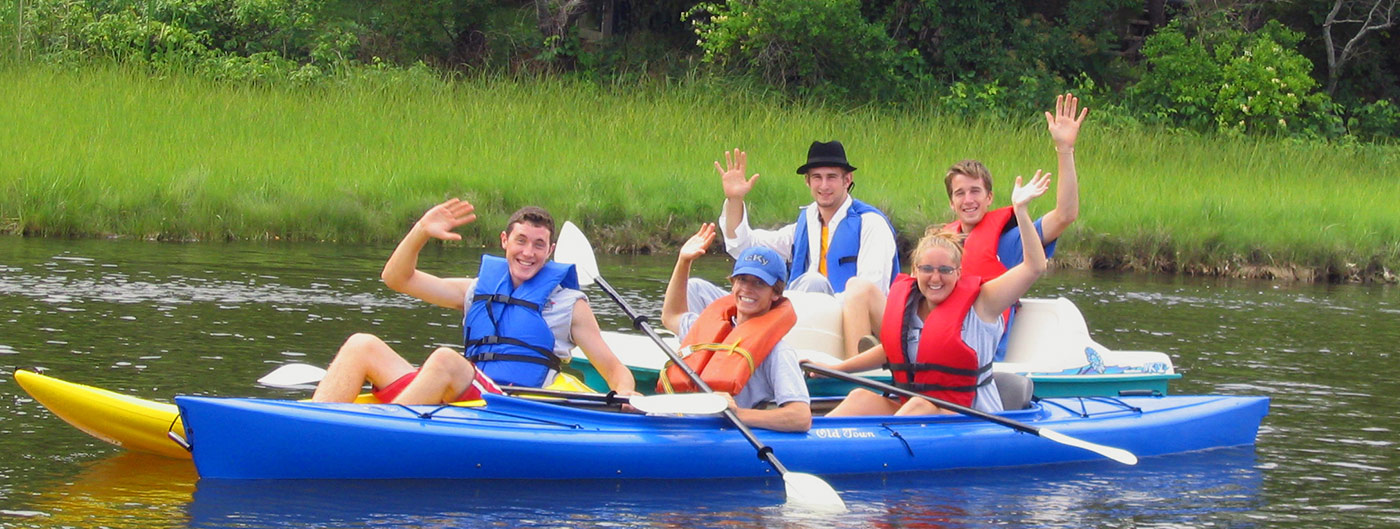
818,325
1015,390
1048,334
1051,336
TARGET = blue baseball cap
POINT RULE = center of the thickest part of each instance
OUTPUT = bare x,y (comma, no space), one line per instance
762,263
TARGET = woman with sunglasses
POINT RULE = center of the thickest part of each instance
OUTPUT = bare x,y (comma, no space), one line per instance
941,327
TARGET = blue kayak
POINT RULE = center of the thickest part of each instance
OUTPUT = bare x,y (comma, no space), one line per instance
513,438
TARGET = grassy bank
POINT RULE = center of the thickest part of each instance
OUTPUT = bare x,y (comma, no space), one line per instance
109,152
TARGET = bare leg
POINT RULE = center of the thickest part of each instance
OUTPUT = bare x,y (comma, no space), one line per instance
921,407
864,402
861,312
444,376
362,357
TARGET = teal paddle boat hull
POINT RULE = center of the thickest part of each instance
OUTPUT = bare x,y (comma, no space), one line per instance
512,438
1048,385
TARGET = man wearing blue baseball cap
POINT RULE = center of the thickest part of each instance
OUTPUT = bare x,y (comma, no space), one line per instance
735,343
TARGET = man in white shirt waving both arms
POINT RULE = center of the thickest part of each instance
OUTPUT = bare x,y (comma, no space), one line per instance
838,245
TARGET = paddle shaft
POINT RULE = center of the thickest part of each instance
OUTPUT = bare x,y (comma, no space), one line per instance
1117,454
640,323
608,398
875,384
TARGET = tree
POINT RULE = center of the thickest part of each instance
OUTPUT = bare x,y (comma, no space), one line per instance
555,16
1378,15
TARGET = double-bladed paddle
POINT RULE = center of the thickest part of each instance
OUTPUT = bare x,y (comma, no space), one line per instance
1117,454
802,488
302,375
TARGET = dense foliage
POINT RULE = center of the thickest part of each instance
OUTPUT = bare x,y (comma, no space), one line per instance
1242,83
1246,67
817,47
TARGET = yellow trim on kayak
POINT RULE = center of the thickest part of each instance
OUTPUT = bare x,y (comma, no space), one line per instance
126,421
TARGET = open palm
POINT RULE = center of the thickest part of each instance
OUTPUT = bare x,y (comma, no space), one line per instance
1064,124
1022,195
447,216
731,174
698,243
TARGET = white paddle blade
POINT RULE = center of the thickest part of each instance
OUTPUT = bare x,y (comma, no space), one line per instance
293,375
811,492
573,248
681,403
1117,454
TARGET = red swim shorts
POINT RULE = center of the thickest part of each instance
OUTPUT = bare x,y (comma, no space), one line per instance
481,384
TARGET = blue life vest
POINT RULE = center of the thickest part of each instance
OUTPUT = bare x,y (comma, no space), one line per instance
504,330
841,250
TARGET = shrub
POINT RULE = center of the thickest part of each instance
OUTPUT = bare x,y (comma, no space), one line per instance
817,47
1008,55
1181,83
1266,84
1233,82
1377,121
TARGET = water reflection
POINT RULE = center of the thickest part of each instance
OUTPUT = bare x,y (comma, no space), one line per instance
1173,491
1176,491
126,490
434,503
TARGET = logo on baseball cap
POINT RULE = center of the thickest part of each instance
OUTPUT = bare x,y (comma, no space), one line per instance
762,263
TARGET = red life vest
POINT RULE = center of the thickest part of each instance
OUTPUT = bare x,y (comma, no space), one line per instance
945,366
725,355
980,247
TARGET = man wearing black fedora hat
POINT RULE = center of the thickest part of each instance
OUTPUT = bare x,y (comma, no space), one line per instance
838,244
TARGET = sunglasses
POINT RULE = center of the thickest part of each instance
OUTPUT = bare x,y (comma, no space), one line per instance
929,269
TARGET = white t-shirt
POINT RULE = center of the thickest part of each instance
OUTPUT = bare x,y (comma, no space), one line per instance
874,262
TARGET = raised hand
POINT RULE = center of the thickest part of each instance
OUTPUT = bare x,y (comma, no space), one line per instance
447,216
1022,195
732,174
1063,124
698,243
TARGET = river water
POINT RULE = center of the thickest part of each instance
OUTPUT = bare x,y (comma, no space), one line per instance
159,319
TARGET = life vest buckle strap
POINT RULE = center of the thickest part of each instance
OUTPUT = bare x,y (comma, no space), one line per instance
922,388
507,299
925,388
552,362
917,367
727,348
506,340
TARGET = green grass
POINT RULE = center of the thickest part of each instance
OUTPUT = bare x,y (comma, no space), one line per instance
108,151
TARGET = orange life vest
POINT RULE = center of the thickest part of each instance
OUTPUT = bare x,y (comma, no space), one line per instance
944,367
725,355
980,248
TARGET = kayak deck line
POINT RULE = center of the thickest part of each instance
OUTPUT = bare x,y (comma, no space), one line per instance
1084,412
482,407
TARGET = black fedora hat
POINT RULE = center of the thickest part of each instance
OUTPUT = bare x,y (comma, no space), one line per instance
829,154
